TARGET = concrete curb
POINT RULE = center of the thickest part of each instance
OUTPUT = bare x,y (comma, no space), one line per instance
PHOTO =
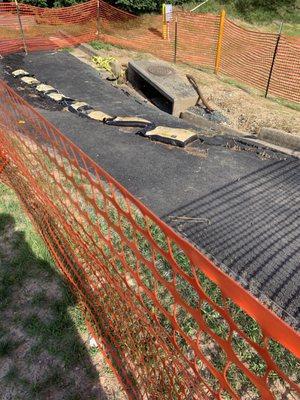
87,49
214,127
284,150
280,138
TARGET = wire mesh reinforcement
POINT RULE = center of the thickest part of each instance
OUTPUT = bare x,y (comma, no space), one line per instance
171,323
245,55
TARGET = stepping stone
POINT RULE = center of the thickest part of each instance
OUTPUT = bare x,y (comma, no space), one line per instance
131,119
78,104
45,88
174,136
98,115
19,72
56,96
29,80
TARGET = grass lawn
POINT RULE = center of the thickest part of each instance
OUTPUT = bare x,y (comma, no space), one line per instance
44,351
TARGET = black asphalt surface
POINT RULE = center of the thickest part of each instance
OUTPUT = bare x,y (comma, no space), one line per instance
243,202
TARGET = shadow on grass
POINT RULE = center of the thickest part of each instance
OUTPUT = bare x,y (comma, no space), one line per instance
42,354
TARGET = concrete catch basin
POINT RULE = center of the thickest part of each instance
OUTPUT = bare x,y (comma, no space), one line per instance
162,85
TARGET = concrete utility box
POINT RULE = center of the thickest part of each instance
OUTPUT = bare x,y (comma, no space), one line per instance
161,84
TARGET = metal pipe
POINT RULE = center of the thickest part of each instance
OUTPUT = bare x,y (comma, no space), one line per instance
199,5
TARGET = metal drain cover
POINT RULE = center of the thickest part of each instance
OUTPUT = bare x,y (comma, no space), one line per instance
160,70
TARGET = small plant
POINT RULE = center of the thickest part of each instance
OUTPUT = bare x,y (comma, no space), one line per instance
98,45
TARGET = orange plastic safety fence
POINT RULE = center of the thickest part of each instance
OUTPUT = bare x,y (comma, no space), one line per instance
245,55
172,323
46,29
197,38
285,81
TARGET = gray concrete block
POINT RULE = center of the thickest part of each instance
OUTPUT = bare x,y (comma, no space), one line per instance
280,138
164,78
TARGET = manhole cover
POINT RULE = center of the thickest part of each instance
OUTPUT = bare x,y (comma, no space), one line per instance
160,70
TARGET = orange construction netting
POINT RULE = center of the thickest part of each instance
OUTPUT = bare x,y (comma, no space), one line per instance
171,323
245,55
46,29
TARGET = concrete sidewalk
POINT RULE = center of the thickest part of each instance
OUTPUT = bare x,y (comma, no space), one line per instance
240,203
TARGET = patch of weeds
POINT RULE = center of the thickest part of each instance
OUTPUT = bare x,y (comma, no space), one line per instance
54,379
286,361
286,103
35,350
247,324
210,288
39,299
12,374
249,357
98,45
187,292
93,351
241,383
34,326
75,396
7,347
238,84
181,259
67,49
77,317
214,320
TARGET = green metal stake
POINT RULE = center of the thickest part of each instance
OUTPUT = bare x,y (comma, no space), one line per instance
176,41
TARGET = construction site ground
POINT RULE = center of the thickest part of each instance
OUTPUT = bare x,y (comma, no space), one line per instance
246,109
237,202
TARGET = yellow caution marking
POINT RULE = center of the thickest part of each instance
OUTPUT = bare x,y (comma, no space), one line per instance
44,88
98,115
19,72
29,80
177,136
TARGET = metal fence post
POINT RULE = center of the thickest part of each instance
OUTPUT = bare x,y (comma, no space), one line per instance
273,59
176,41
21,27
220,41
98,18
